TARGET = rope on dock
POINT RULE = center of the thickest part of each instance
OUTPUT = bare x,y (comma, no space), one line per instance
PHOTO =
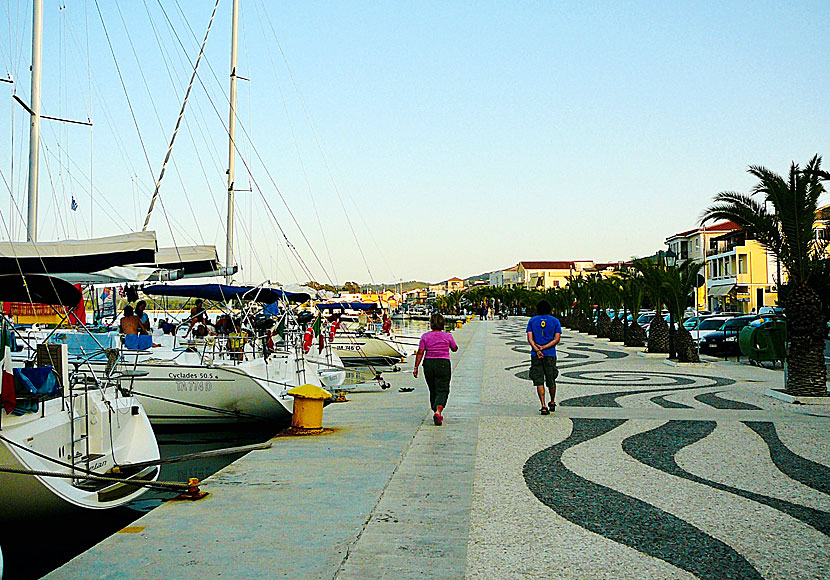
163,485
200,455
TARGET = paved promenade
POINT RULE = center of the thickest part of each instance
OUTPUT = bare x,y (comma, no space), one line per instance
643,471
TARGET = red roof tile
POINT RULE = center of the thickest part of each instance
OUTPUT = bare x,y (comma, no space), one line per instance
547,265
726,226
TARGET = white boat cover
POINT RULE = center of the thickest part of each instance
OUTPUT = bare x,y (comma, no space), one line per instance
193,260
77,256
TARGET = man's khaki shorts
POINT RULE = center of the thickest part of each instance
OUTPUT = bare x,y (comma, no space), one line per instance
543,371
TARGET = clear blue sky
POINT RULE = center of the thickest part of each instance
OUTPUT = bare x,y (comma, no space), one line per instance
462,138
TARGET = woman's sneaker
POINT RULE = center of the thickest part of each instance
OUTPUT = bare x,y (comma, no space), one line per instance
438,419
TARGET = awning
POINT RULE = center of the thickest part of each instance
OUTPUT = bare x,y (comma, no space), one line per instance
224,292
36,289
721,290
77,256
347,306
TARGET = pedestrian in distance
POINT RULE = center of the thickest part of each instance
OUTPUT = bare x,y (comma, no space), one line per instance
543,333
434,350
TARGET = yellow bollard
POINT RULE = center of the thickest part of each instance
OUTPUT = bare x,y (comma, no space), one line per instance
308,406
458,324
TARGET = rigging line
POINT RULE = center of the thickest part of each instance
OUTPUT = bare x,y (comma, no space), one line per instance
320,147
58,213
114,214
171,77
299,154
130,105
158,117
259,157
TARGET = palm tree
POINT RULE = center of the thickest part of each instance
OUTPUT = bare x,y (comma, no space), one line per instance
788,232
652,273
678,284
615,301
633,294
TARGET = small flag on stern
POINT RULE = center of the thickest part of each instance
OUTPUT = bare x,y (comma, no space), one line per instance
74,204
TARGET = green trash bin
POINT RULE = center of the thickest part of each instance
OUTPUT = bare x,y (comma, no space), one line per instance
764,342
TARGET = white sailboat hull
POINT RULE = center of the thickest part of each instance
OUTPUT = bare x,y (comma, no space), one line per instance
191,394
119,434
356,350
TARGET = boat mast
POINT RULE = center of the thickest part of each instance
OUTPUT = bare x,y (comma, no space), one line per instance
231,144
34,127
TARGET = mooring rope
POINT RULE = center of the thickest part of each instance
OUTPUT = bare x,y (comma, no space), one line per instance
164,485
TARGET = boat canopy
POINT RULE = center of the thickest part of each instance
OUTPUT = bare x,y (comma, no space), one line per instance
347,306
77,256
191,260
223,292
38,289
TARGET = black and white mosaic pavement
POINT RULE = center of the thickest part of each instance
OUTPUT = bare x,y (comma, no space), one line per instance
650,471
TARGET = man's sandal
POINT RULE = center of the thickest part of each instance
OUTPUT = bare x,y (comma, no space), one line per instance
544,411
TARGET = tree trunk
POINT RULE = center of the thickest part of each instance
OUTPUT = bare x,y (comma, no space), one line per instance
685,345
604,326
616,334
806,370
658,335
636,335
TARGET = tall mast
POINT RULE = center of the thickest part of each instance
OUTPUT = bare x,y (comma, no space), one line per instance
231,144
34,128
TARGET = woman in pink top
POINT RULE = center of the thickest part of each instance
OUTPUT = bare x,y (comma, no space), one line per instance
434,350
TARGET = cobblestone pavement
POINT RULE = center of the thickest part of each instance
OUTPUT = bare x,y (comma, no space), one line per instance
644,470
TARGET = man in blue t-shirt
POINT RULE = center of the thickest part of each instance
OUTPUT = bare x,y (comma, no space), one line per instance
543,334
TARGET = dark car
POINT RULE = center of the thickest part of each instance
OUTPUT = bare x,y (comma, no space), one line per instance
724,341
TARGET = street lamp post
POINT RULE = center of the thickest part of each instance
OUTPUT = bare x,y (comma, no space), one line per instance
671,260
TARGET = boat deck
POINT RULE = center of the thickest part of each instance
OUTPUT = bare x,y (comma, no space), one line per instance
641,466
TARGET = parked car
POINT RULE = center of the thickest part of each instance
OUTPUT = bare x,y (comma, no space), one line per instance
692,322
777,310
709,324
724,341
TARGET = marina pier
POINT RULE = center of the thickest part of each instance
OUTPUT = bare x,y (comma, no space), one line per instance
643,470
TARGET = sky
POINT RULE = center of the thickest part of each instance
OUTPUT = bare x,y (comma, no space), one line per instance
386,142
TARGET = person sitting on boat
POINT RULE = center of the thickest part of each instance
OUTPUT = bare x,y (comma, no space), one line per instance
387,324
199,320
224,324
143,319
129,322
166,327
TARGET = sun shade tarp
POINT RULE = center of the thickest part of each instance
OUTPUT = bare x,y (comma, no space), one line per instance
38,289
69,256
224,292
347,306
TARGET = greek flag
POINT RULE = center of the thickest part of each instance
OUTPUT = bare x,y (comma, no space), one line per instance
74,205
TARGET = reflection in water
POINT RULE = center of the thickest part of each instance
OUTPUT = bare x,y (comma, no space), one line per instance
32,549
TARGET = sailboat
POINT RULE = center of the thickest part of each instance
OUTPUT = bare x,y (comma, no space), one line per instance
67,439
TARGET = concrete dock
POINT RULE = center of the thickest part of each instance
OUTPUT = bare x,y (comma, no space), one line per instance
643,471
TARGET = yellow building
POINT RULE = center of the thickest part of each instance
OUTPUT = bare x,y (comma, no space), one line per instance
454,285
740,275
694,245
544,275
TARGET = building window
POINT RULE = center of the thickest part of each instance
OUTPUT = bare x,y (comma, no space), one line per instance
742,261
